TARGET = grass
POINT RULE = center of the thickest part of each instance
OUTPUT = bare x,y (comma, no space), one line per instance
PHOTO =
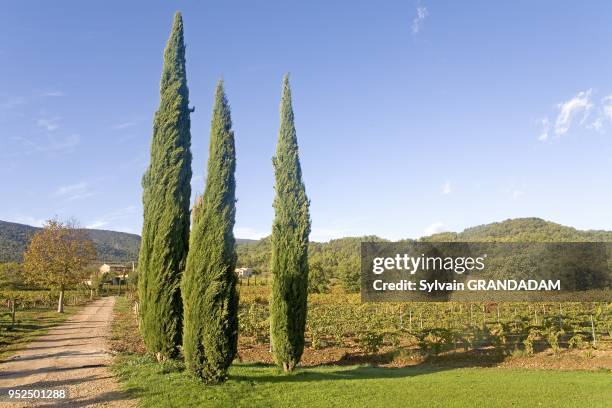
30,323
167,385
257,385
124,336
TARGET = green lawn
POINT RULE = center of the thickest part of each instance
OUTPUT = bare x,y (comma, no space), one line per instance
30,324
167,385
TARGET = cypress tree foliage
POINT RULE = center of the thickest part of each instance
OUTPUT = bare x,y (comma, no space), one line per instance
166,196
210,299
289,242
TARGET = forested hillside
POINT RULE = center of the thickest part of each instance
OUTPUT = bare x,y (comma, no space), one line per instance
337,261
523,230
111,246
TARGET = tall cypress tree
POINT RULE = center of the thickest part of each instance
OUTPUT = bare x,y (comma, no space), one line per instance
166,195
290,232
210,299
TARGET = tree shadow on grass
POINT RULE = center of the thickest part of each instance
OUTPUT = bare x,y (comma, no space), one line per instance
367,367
336,373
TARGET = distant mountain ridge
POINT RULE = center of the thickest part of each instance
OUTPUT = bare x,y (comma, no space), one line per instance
339,258
111,246
523,230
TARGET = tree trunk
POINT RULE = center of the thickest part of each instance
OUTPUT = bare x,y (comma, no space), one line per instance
12,312
60,302
288,366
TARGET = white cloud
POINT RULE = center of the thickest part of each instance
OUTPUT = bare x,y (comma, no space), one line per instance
120,214
545,130
28,220
12,102
446,188
77,191
124,125
71,188
516,194
81,196
53,93
597,124
64,144
604,115
579,105
50,124
343,226
606,106
326,234
96,224
249,233
434,228
51,143
419,19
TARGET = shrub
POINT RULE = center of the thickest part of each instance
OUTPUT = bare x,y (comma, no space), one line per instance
534,334
434,341
553,340
370,342
577,341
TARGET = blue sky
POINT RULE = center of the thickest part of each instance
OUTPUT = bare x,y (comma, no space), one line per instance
412,116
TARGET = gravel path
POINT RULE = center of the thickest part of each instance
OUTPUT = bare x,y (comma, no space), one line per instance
72,356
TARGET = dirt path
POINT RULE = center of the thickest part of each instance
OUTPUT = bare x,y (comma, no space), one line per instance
72,356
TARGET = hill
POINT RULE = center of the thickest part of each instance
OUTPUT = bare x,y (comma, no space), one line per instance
337,261
523,230
111,246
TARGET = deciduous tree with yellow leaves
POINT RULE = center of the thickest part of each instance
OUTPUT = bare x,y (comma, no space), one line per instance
57,257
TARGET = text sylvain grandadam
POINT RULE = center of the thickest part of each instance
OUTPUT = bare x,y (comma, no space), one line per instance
459,265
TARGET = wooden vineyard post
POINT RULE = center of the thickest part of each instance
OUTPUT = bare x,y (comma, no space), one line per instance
12,312
410,321
484,318
593,331
471,314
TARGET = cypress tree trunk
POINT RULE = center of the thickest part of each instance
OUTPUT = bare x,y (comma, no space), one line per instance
210,299
289,241
166,195
60,302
